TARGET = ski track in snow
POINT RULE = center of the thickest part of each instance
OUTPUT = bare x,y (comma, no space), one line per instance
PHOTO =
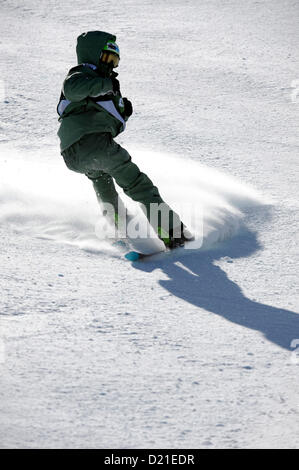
193,351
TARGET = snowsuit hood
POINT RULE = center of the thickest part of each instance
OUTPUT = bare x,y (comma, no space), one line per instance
90,45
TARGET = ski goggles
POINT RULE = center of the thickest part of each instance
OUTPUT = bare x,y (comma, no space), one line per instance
110,53
107,57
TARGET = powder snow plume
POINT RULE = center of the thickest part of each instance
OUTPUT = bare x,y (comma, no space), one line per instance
40,197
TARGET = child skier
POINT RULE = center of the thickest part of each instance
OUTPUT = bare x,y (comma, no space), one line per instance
92,112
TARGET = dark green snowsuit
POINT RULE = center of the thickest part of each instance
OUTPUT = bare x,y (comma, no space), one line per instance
91,115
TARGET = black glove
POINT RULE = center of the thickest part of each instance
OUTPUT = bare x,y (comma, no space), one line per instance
115,84
128,107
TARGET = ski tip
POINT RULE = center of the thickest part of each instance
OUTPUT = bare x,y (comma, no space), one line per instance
132,256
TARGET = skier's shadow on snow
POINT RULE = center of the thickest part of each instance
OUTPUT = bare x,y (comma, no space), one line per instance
208,286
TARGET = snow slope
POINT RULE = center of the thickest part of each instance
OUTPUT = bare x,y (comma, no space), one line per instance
194,351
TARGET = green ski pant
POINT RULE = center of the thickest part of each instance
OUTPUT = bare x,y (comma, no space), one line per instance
101,159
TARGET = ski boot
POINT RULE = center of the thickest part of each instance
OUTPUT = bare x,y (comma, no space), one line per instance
176,241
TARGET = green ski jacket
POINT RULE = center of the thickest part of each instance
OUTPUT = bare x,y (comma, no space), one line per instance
88,103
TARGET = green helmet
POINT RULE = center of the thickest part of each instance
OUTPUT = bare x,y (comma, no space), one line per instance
112,47
110,54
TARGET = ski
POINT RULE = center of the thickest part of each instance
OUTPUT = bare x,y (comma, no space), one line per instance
137,256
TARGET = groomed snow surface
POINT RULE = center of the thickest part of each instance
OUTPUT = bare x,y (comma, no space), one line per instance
186,350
